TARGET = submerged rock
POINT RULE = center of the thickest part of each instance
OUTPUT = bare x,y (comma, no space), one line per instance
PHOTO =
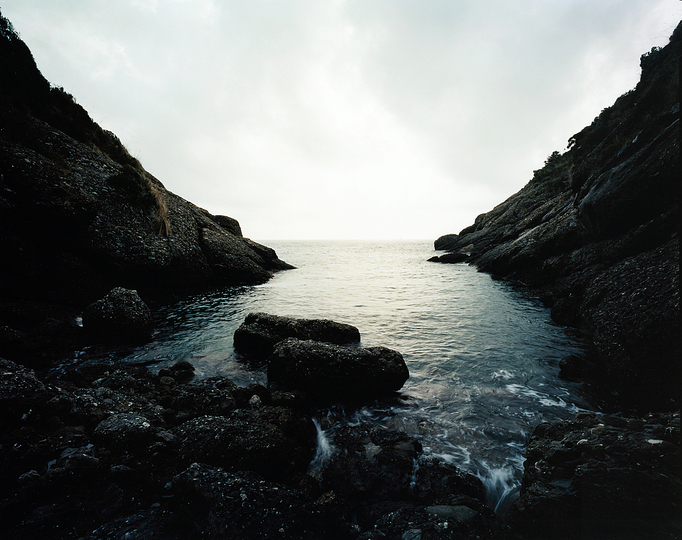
260,332
326,373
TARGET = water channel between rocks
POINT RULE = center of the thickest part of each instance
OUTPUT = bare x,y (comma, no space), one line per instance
483,355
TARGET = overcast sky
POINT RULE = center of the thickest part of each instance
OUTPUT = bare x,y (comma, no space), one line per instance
343,119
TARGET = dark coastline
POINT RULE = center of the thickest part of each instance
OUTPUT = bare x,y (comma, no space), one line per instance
103,452
596,233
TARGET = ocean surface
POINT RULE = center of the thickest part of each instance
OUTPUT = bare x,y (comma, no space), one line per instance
483,355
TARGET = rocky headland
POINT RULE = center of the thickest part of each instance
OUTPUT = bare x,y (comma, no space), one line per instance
596,233
79,216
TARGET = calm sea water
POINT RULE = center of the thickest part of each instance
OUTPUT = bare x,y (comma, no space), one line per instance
483,355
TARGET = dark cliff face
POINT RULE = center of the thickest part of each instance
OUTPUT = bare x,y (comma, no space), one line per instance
79,215
597,232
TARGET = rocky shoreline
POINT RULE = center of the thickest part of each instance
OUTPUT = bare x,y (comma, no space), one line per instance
103,452
596,233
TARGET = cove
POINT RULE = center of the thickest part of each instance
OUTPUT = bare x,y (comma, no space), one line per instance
483,355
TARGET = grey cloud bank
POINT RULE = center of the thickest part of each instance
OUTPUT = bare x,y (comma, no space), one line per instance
346,119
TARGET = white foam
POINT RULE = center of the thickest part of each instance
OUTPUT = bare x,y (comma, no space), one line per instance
325,449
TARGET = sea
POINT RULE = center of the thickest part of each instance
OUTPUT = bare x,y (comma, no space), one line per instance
483,354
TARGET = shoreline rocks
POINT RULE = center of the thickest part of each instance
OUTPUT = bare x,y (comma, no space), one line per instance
612,476
596,233
100,452
81,216
120,316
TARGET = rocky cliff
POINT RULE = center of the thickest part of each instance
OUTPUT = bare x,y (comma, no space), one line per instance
596,231
79,215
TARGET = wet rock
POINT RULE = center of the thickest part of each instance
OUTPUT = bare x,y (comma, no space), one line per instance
120,316
181,371
259,333
271,441
124,429
614,477
375,471
243,505
452,258
571,368
371,466
327,373
436,481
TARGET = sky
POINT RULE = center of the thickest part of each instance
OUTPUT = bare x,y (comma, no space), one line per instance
343,119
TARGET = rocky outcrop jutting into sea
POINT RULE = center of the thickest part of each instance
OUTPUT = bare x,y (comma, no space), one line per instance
79,215
72,195
596,231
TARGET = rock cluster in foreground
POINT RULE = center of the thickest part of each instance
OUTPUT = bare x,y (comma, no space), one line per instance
102,453
602,476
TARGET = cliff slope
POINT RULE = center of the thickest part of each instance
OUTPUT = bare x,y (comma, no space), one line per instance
80,215
597,232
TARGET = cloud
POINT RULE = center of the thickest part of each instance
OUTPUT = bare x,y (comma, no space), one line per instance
343,119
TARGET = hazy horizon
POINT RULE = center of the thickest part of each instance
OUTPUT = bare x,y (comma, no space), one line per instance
347,120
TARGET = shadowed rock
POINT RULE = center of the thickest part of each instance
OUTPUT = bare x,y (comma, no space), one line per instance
612,476
260,332
325,372
596,232
268,440
120,316
452,258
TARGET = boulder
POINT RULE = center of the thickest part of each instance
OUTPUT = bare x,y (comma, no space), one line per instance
324,372
210,396
446,241
259,333
613,476
120,316
20,391
271,441
124,430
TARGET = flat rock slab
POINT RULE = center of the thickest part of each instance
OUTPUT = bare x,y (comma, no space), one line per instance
451,258
326,372
260,332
